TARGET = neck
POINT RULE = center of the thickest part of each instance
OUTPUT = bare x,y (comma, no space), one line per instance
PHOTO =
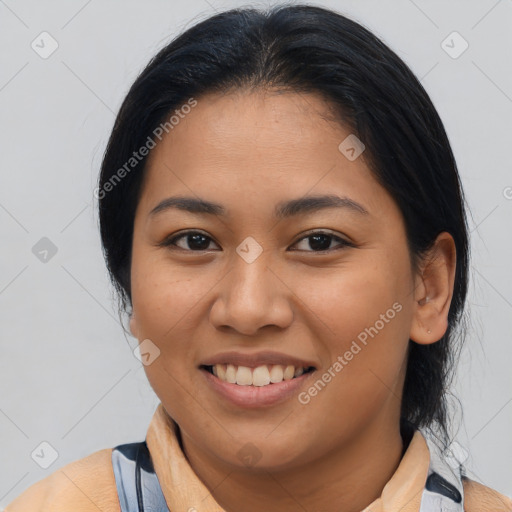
349,478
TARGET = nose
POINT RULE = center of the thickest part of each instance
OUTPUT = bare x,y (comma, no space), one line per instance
252,296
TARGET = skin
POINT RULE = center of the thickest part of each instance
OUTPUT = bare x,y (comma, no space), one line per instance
248,151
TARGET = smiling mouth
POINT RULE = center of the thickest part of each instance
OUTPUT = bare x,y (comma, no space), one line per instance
260,376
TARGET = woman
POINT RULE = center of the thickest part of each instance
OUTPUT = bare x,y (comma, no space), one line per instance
282,216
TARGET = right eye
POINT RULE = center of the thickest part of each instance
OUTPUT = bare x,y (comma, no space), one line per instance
195,240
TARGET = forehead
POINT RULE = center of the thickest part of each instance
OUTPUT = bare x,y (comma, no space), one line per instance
259,145
247,122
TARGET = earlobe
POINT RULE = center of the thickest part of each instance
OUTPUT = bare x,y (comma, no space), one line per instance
434,292
424,301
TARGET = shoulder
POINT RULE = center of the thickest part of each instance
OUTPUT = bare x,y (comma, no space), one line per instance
84,485
480,498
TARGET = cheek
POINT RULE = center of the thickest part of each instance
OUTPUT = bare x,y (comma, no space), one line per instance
165,297
363,317
167,304
361,300
366,356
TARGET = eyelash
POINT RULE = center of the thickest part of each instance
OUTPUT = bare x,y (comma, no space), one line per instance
171,241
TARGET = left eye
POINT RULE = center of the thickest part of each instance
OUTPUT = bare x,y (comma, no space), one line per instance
321,242
318,241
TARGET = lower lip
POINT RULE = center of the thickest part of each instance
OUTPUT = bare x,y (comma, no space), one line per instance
256,396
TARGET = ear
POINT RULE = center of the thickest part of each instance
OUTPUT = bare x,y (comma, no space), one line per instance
433,291
133,325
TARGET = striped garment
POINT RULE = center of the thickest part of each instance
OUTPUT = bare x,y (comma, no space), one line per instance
154,476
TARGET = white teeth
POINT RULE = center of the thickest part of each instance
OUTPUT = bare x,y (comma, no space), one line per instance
260,376
221,371
231,374
244,376
276,373
289,371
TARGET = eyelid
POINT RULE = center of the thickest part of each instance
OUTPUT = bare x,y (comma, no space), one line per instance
320,231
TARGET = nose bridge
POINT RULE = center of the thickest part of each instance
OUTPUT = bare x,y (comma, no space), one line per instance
251,297
250,281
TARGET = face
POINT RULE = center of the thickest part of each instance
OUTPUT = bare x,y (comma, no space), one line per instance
325,284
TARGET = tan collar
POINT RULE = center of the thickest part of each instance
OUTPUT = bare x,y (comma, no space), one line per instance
183,490
405,488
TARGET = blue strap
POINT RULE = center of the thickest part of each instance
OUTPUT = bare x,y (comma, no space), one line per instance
444,488
440,495
137,485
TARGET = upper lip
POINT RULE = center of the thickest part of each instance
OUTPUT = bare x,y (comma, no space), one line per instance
257,359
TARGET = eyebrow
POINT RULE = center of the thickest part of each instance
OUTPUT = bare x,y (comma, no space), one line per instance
282,210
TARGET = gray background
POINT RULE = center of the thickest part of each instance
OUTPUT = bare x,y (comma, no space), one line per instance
67,372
